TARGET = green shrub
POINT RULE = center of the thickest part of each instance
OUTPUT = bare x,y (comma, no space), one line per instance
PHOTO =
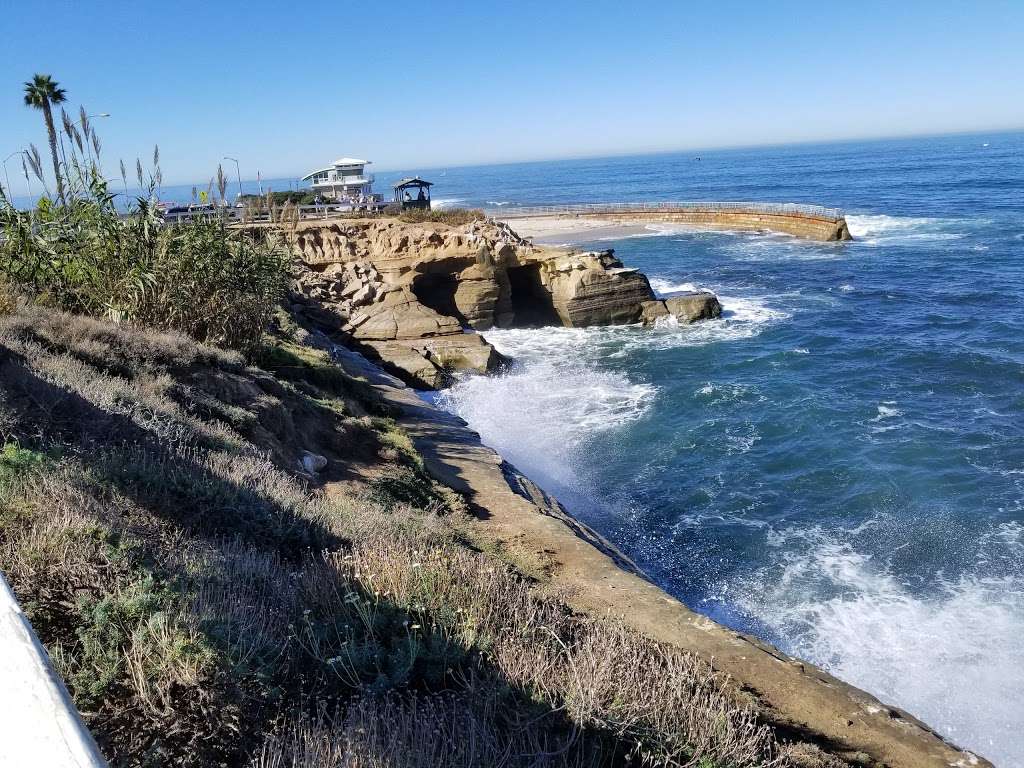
8,301
202,277
15,461
450,216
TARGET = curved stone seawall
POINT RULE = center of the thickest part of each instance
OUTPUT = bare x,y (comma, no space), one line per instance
809,227
810,222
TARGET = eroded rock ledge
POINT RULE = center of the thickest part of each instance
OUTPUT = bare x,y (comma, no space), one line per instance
795,697
413,295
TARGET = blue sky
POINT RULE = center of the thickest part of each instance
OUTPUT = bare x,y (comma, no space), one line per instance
287,86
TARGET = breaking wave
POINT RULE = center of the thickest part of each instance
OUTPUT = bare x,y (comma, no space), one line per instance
878,229
446,202
948,653
540,412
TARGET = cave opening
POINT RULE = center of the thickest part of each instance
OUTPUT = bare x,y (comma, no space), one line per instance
437,291
531,301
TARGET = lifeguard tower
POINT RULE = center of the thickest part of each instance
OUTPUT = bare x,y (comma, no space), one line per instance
413,193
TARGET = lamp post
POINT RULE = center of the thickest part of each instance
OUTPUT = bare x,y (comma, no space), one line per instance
7,177
88,145
238,174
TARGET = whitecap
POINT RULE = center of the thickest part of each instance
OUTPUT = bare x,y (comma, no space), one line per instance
556,396
875,229
446,202
951,657
887,410
663,288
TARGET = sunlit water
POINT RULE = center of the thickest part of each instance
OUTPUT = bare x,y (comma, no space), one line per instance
838,463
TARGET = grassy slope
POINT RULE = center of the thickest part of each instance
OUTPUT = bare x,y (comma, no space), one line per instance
210,604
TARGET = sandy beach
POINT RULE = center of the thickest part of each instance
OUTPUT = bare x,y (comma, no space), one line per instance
559,230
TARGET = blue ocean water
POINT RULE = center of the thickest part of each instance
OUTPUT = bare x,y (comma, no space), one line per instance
837,464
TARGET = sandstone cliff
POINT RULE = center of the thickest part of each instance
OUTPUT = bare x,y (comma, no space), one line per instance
413,295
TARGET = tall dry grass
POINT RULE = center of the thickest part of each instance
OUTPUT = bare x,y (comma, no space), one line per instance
82,254
208,605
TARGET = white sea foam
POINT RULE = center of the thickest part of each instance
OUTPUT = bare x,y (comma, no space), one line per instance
875,229
446,202
538,414
664,288
887,410
867,225
953,658
498,203
558,393
846,288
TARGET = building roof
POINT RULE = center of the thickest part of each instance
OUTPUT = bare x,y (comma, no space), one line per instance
415,181
335,164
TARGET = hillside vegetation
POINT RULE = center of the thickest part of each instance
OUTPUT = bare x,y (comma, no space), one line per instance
208,603
233,553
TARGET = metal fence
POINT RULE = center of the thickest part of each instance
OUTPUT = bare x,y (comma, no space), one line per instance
772,209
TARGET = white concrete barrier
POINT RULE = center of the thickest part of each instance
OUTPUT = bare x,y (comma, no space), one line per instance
39,724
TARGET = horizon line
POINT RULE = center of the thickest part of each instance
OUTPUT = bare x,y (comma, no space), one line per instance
673,150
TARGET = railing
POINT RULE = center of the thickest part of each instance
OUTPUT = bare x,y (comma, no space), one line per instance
771,209
336,180
39,724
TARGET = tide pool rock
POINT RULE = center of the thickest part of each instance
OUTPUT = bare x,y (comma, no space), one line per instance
690,307
685,308
595,289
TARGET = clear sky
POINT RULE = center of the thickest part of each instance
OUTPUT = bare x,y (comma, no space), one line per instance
288,86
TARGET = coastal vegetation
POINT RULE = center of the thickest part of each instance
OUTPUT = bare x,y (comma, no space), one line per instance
82,254
450,216
208,603
296,197
234,554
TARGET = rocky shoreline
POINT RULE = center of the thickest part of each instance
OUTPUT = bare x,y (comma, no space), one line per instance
415,296
512,512
401,306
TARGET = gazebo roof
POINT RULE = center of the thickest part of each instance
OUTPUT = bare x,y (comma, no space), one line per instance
415,181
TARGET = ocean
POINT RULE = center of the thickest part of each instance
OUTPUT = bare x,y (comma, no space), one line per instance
837,464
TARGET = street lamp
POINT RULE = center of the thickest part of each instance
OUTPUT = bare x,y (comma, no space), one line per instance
7,177
238,173
81,120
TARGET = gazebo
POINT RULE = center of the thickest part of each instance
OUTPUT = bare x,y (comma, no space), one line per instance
413,193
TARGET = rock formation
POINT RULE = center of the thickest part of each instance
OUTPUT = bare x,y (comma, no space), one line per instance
682,308
411,295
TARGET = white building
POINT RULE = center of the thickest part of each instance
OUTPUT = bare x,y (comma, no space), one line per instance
344,180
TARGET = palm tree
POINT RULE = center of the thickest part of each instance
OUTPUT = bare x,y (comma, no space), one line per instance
41,92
